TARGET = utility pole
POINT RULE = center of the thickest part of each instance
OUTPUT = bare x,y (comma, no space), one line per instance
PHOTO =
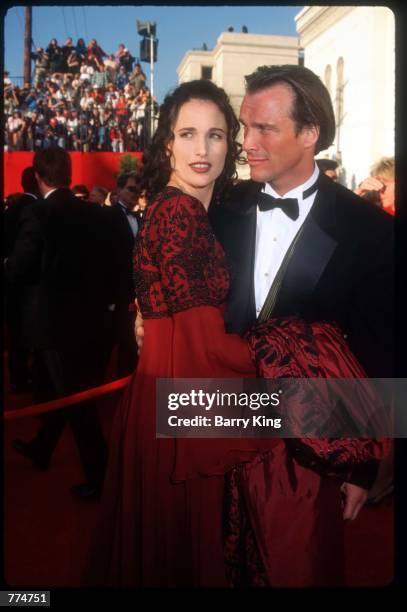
148,53
27,44
151,81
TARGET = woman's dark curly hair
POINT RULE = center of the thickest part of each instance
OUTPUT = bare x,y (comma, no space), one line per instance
156,170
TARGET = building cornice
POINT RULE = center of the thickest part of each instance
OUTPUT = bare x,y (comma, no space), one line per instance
207,56
313,20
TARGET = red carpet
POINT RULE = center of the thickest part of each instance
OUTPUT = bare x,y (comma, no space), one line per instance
48,530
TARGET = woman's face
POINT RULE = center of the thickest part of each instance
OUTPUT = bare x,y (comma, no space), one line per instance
387,193
199,147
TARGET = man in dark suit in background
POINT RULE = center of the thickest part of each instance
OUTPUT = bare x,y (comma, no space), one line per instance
124,225
63,242
312,249
19,297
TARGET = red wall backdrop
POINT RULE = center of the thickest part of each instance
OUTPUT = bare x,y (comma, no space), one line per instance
88,169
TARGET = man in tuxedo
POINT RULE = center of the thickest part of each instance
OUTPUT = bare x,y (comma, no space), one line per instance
20,298
316,251
124,224
62,244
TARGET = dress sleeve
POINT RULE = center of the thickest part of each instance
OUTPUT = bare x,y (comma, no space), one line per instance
292,348
186,279
190,259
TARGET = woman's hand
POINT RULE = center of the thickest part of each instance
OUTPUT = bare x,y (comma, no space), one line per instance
369,184
139,328
355,498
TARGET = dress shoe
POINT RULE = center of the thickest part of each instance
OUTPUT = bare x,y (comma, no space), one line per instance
87,490
26,449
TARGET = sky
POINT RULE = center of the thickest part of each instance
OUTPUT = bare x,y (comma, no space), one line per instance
179,29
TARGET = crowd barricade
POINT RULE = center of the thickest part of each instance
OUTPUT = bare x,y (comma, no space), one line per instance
63,402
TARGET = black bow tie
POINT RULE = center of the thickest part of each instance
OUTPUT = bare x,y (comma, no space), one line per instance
129,213
287,205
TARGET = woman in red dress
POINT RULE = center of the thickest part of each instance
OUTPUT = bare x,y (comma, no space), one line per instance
161,512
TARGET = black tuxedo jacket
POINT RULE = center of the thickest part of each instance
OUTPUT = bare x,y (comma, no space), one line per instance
122,248
341,270
62,248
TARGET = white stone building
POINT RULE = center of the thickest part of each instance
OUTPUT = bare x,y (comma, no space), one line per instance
235,55
352,49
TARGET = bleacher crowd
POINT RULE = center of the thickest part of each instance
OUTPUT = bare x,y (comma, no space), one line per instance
81,99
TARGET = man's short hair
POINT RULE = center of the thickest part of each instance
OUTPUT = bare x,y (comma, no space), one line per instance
53,166
312,103
28,180
124,177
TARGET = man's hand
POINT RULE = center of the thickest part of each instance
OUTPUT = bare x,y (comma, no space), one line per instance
355,498
139,329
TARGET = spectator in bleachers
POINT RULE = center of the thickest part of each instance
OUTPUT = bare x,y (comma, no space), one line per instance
122,112
86,71
95,55
111,68
132,140
122,78
8,85
28,134
83,135
73,62
56,58
15,125
81,48
72,123
137,78
116,137
41,65
66,51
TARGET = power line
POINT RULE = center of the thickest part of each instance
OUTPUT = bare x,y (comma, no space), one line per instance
75,24
35,30
85,22
20,21
66,27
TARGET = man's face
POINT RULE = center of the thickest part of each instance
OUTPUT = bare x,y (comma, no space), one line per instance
128,195
275,153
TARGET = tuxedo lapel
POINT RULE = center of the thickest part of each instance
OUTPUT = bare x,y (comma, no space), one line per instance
238,237
122,222
241,311
313,251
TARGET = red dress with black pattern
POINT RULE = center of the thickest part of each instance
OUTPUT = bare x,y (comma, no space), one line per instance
161,510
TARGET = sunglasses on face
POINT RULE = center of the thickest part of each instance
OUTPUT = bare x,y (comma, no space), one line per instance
132,189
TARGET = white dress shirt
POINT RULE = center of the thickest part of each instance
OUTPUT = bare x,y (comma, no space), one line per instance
275,232
49,192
